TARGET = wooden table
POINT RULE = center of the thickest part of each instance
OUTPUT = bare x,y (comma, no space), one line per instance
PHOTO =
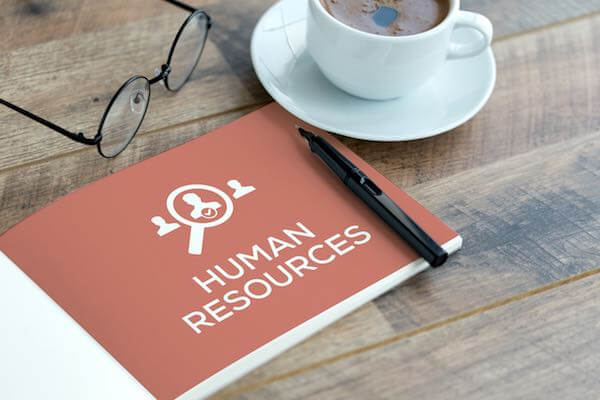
515,314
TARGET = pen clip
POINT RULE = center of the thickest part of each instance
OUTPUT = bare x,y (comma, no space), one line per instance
372,187
364,181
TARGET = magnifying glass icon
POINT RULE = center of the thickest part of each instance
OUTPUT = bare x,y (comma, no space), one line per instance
197,228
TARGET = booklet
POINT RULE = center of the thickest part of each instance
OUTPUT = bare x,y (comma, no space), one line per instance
176,276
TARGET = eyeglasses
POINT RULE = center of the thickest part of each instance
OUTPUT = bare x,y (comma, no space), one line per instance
127,108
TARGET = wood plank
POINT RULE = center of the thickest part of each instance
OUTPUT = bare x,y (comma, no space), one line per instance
543,347
527,221
26,23
569,111
547,91
52,19
467,281
42,183
32,186
517,119
23,141
81,87
235,26
514,16
85,71
91,58
55,20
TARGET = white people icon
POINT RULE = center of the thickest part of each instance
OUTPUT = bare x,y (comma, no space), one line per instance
164,228
201,209
240,191
199,214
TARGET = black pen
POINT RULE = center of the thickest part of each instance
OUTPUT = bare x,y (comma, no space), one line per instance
378,201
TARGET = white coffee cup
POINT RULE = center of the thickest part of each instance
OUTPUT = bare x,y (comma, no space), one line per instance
379,67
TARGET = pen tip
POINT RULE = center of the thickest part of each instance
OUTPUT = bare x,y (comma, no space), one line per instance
304,133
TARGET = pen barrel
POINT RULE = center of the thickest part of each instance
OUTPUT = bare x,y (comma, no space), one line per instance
329,156
400,222
377,201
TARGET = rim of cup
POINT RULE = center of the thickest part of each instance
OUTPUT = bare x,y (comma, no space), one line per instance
454,7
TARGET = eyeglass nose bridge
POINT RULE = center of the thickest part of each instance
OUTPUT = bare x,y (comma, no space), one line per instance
165,70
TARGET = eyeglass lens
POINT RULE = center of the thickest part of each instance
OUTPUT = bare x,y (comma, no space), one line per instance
187,50
124,116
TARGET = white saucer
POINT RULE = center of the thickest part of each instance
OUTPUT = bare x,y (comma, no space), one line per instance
291,77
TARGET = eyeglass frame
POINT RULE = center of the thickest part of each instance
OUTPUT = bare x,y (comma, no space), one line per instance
162,76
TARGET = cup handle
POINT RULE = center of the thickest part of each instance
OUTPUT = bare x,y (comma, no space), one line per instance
467,19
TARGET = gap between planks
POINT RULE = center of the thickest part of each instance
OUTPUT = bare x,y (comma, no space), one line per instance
253,105
549,26
434,325
404,335
424,329
81,149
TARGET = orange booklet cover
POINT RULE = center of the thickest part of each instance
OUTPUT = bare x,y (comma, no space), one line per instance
195,266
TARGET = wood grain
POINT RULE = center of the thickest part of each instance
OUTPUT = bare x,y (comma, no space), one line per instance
79,98
517,119
85,63
547,91
542,347
32,186
515,16
26,22
29,22
527,222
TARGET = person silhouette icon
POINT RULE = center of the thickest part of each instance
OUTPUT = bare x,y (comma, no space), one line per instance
164,228
239,190
201,209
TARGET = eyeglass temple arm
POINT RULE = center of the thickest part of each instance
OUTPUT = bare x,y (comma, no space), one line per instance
181,5
78,137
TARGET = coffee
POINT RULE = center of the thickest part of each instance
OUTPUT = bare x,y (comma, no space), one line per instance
389,17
